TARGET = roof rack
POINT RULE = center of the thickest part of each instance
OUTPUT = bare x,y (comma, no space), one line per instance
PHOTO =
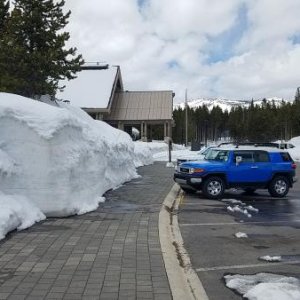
258,144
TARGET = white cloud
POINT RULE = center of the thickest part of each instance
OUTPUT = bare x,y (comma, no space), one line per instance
165,44
271,22
176,19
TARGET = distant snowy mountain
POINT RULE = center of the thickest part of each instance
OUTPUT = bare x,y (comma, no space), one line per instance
224,104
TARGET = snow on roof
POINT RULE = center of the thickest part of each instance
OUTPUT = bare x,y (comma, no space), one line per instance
91,88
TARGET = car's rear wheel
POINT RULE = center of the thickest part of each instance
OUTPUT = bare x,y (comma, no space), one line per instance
188,191
213,187
279,187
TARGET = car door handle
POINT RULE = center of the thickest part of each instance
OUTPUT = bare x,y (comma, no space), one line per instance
254,167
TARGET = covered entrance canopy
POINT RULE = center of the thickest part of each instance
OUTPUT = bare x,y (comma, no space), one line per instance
144,109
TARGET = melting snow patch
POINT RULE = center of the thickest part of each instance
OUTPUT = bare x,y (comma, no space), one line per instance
264,286
241,235
229,208
237,208
170,165
271,258
251,208
233,201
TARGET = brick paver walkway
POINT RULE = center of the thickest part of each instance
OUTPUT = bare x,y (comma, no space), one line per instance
111,253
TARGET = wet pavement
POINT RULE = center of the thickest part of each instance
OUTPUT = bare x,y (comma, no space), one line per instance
111,253
208,229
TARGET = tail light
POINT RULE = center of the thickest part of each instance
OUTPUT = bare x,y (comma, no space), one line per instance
294,166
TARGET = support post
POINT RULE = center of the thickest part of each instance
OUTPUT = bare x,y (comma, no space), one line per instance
170,129
144,132
120,125
169,163
186,119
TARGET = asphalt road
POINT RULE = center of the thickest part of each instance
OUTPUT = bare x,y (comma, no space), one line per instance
208,230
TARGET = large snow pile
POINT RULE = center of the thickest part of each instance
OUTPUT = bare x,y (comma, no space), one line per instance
265,286
295,152
56,160
159,151
143,154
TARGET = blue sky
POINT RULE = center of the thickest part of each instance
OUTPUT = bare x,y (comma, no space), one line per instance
141,2
296,39
223,46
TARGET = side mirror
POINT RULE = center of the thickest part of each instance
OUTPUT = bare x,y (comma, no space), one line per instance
238,160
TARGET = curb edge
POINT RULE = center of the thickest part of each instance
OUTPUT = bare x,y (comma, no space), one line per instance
183,280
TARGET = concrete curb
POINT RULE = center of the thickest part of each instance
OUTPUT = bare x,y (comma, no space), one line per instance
184,282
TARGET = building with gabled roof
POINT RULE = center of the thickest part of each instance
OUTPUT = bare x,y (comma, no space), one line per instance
99,91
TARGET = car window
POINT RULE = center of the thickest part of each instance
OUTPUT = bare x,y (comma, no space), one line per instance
217,155
205,151
285,156
247,156
261,156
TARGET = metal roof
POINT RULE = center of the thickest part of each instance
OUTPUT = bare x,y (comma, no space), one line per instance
149,105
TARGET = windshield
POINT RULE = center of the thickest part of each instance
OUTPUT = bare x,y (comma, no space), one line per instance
217,155
205,151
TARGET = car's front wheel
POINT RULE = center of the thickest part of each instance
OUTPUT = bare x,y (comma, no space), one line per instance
279,187
213,187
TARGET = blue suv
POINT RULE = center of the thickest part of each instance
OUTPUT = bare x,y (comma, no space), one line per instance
247,169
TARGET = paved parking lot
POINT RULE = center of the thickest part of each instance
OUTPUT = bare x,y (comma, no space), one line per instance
208,230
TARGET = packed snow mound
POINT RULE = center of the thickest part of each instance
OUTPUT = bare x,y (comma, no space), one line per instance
157,151
58,158
143,154
295,141
295,152
264,286
17,212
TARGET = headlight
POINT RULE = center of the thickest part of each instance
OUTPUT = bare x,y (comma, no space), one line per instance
196,170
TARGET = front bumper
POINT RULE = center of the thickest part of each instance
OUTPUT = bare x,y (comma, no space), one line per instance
184,180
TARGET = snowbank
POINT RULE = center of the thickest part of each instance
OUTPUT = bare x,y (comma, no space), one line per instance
265,286
295,152
159,151
57,159
143,154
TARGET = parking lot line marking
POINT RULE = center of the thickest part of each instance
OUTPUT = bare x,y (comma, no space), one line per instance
236,223
248,266
193,203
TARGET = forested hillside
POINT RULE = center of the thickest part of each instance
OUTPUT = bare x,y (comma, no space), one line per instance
265,122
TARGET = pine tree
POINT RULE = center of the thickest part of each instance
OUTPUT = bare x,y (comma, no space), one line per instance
34,57
297,96
5,53
4,7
